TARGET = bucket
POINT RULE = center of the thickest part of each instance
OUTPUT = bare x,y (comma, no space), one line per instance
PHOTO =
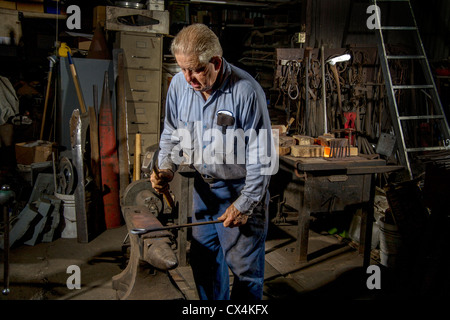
70,229
390,243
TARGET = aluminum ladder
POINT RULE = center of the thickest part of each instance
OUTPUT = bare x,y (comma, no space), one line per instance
434,115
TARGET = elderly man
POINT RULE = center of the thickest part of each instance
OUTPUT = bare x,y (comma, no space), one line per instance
216,119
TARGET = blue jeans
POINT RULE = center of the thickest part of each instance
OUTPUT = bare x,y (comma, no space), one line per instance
215,248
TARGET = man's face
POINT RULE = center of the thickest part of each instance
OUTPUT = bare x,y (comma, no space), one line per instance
200,77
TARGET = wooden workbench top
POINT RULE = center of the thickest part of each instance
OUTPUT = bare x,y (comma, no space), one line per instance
352,165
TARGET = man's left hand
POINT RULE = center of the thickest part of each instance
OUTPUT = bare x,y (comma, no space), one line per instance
233,217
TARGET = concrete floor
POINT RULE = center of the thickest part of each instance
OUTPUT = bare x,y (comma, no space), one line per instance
40,272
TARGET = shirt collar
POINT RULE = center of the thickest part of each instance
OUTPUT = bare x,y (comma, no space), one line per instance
226,72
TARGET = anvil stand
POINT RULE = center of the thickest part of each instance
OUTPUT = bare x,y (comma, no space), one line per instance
139,280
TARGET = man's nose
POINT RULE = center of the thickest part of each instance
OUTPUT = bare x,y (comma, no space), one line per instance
188,75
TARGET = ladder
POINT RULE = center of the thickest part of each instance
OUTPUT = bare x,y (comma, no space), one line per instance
405,120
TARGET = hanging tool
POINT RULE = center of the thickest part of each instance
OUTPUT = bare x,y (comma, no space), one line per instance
139,231
53,60
6,198
332,62
324,94
149,164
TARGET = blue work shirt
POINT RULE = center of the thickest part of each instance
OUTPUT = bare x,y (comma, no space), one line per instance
192,135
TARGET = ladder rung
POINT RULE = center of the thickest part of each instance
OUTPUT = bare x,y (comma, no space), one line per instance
420,117
426,149
428,86
399,28
405,57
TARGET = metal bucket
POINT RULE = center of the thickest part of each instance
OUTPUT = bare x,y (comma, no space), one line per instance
390,243
70,228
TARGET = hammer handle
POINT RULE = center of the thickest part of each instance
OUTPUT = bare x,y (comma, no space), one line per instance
166,194
169,199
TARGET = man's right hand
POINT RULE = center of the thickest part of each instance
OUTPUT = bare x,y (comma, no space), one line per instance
160,182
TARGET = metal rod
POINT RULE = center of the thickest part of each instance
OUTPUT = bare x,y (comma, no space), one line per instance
140,231
324,94
6,250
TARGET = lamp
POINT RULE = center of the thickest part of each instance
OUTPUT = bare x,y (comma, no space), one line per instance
341,58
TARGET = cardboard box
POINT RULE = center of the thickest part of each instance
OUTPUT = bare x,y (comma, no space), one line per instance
10,22
30,7
36,151
8,4
84,44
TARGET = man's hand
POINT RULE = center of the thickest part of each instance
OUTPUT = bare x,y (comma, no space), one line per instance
233,217
161,182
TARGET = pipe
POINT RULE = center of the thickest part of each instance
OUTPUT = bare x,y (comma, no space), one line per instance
52,60
324,94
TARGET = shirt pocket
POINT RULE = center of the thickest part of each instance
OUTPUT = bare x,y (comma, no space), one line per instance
186,136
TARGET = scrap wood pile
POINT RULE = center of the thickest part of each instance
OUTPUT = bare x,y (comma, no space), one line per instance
326,145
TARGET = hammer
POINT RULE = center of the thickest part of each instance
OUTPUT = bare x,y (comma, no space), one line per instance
149,164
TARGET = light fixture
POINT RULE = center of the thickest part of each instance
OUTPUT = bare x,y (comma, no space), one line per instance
342,58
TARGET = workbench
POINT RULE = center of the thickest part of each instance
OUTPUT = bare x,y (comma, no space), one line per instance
332,184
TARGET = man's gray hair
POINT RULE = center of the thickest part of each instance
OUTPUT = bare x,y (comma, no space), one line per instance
197,39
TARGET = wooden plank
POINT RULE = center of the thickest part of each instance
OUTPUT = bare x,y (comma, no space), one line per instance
303,140
122,142
282,151
285,141
285,261
324,273
307,151
95,149
322,164
285,258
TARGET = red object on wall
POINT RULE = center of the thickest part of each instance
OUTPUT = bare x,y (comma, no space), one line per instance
350,124
109,160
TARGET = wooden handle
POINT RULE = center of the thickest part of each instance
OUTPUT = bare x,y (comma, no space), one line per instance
169,199
47,93
77,84
137,158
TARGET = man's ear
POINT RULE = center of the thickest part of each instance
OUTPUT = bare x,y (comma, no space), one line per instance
217,62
